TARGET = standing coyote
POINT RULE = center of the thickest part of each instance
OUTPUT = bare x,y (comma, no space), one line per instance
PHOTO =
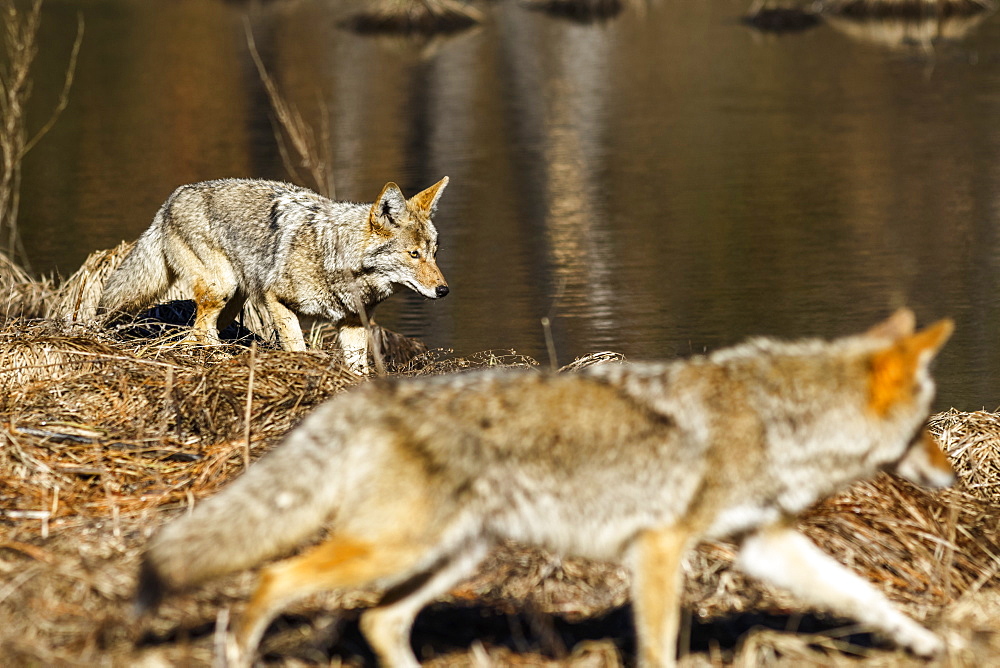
287,249
417,479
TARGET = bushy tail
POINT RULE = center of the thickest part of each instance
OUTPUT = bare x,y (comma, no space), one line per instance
274,507
141,278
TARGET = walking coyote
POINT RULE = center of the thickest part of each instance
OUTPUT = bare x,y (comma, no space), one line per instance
416,479
289,250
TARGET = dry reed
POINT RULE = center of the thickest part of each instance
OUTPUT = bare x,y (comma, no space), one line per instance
311,153
18,38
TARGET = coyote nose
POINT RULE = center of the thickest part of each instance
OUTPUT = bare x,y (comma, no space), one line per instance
441,290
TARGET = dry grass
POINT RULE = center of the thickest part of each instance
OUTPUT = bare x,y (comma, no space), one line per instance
21,297
104,439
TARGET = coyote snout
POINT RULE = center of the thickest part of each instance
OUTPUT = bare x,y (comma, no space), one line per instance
428,281
925,463
430,291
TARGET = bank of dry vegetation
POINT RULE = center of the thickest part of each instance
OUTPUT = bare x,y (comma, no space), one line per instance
104,436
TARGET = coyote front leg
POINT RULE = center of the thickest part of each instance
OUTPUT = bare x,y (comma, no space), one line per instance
786,558
286,324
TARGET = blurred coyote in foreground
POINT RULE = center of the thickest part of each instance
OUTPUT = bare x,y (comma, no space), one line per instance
417,479
287,249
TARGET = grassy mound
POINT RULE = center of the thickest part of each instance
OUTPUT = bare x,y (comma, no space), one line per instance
103,439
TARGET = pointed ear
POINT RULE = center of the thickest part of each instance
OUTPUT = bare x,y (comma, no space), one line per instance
894,370
389,210
428,199
899,324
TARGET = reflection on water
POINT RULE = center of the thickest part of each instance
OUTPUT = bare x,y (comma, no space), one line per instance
896,24
903,33
661,182
563,92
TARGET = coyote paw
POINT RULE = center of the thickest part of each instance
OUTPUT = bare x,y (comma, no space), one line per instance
920,641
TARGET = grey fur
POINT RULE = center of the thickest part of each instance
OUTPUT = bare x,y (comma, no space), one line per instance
287,249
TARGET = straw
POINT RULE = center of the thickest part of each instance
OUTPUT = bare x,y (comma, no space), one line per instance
103,440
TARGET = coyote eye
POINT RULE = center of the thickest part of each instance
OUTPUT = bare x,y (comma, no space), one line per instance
414,253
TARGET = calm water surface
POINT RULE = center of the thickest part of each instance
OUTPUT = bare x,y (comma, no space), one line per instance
661,184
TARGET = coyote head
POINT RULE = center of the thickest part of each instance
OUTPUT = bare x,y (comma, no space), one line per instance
404,242
838,411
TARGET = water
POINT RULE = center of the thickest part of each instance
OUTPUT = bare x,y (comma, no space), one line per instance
661,184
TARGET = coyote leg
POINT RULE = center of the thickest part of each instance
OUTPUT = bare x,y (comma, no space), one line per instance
656,593
353,340
336,563
784,557
286,324
387,626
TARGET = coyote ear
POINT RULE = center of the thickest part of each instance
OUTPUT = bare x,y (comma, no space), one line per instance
428,199
899,324
389,209
894,370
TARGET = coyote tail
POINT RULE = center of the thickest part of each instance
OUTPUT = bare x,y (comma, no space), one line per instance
141,278
267,512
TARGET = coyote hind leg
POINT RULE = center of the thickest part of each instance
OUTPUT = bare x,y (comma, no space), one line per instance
387,626
209,300
339,562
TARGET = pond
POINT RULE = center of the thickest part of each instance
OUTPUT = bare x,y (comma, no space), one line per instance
661,183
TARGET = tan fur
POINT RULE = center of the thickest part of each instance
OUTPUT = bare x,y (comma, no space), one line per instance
417,479
935,455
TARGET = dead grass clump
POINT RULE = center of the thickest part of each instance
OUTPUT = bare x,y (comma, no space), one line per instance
25,301
20,296
973,441
10,272
38,352
151,424
80,294
924,547
593,359
183,392
436,362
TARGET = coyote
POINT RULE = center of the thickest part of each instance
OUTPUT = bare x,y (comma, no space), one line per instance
416,479
287,249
